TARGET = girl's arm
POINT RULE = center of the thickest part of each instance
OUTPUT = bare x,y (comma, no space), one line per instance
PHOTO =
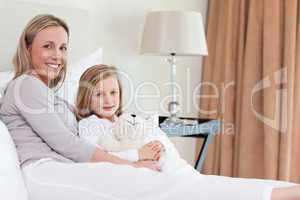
91,128
102,156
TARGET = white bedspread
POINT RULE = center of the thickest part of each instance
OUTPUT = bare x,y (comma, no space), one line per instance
50,180
106,181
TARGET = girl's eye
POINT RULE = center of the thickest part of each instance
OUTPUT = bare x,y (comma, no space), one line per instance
114,92
98,94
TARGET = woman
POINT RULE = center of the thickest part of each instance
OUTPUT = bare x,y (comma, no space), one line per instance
56,162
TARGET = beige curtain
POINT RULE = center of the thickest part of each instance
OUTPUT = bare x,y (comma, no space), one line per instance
253,68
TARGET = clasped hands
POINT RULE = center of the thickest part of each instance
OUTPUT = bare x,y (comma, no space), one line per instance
149,155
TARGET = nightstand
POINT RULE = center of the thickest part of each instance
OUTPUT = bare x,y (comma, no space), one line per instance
196,128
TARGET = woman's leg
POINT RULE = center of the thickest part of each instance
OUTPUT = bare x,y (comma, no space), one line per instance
83,181
287,193
281,190
98,181
92,181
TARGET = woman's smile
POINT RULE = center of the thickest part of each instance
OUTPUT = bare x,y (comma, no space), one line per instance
49,52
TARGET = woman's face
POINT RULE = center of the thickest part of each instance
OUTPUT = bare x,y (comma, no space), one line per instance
48,52
105,99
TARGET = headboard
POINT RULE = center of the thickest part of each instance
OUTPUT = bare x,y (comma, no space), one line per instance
14,16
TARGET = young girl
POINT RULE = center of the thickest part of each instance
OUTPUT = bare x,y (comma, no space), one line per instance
99,103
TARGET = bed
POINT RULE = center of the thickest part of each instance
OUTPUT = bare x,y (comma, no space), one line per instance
128,182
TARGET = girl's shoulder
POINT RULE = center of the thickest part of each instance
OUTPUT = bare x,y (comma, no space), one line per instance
93,119
88,119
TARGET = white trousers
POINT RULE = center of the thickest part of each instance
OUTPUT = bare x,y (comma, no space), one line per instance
48,180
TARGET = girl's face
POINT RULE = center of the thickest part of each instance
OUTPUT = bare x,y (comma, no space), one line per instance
48,52
105,99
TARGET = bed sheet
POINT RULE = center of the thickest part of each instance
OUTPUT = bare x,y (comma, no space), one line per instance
106,181
50,180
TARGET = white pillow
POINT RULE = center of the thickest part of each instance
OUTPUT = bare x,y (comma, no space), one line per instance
12,186
68,90
5,77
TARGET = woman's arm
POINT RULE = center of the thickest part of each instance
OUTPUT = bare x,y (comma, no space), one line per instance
35,102
102,156
131,155
149,151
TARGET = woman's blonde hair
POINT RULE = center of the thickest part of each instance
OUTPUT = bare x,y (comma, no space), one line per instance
88,80
22,59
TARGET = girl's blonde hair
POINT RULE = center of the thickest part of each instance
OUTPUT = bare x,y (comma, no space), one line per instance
88,80
22,59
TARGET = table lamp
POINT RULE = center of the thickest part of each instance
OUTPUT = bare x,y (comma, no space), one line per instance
171,34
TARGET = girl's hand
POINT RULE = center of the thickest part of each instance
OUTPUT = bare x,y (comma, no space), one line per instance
156,145
151,151
147,164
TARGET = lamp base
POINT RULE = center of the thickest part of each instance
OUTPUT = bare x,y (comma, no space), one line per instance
173,121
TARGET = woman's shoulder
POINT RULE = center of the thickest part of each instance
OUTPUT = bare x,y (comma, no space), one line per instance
26,82
29,79
19,89
27,89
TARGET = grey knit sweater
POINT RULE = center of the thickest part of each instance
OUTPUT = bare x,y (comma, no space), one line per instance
41,124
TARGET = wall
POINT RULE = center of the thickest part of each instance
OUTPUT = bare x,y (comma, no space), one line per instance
117,27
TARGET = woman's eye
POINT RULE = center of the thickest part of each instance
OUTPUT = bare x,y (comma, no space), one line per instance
64,48
47,46
98,94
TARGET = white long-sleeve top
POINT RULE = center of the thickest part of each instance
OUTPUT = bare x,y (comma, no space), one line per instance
92,127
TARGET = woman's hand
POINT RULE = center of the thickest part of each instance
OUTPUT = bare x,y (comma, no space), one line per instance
151,151
150,164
